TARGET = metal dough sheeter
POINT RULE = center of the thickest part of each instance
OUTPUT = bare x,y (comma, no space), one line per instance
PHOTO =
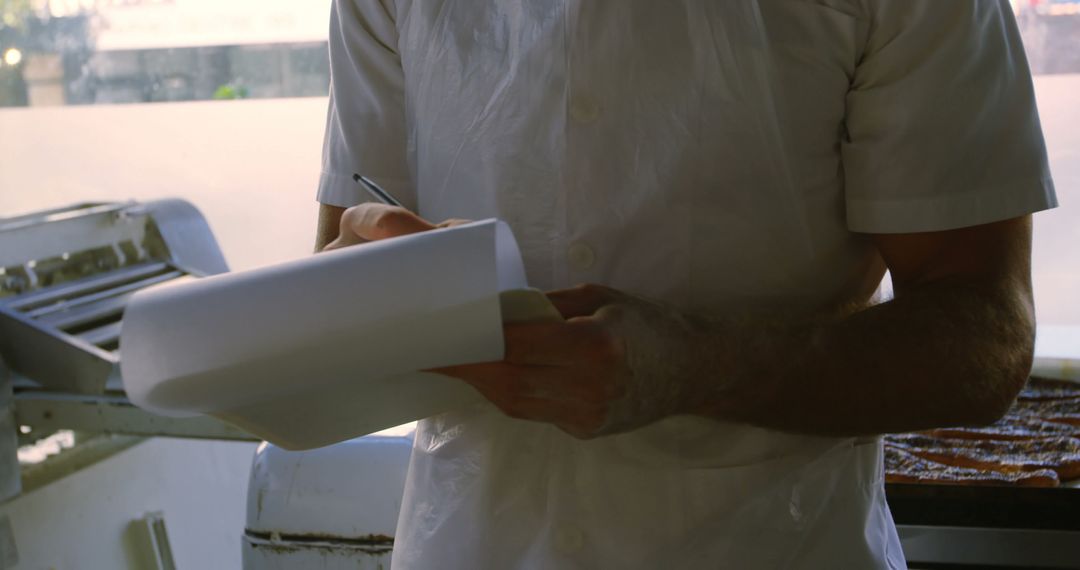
65,277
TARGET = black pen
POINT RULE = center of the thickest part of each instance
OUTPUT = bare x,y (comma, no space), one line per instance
376,191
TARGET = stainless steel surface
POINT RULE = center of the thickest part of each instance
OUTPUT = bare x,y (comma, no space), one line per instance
9,552
55,232
996,547
191,243
10,484
106,337
47,412
89,450
83,312
60,362
67,274
90,289
153,542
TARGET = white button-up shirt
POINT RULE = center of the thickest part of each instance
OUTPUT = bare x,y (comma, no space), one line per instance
712,155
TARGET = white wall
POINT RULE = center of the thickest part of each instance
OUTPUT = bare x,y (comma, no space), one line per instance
250,166
82,522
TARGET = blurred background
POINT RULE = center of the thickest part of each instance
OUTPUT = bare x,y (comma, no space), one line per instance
222,103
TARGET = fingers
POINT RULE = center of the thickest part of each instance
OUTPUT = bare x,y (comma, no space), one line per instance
586,385
542,344
503,381
536,394
371,221
575,343
583,300
452,222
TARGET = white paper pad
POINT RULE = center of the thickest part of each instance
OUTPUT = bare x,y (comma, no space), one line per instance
326,348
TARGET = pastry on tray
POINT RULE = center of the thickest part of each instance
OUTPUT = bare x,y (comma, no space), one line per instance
902,466
1010,428
1060,454
1048,389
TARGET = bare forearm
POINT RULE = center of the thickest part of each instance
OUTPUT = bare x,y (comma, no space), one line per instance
951,354
329,225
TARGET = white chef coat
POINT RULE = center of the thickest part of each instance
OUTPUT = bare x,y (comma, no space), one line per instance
615,139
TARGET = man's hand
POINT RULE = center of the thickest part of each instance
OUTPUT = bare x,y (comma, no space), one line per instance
373,221
618,363
952,348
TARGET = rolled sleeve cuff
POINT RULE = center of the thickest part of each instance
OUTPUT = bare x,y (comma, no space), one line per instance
939,213
341,191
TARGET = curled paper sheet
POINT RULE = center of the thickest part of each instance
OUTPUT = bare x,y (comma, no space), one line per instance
326,348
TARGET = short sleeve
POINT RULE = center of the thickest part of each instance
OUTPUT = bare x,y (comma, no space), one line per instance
942,128
365,126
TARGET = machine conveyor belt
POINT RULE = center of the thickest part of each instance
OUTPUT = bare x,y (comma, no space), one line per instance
84,288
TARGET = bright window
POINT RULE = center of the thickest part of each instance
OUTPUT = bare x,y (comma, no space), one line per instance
238,101
1051,30
218,102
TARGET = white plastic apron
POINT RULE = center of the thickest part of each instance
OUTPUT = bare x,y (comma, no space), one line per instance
646,146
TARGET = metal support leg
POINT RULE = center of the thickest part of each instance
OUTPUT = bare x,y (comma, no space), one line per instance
10,478
153,541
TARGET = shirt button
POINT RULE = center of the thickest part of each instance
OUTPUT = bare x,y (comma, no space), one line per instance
584,109
581,256
569,539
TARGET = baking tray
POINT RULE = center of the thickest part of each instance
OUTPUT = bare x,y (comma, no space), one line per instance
1056,508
